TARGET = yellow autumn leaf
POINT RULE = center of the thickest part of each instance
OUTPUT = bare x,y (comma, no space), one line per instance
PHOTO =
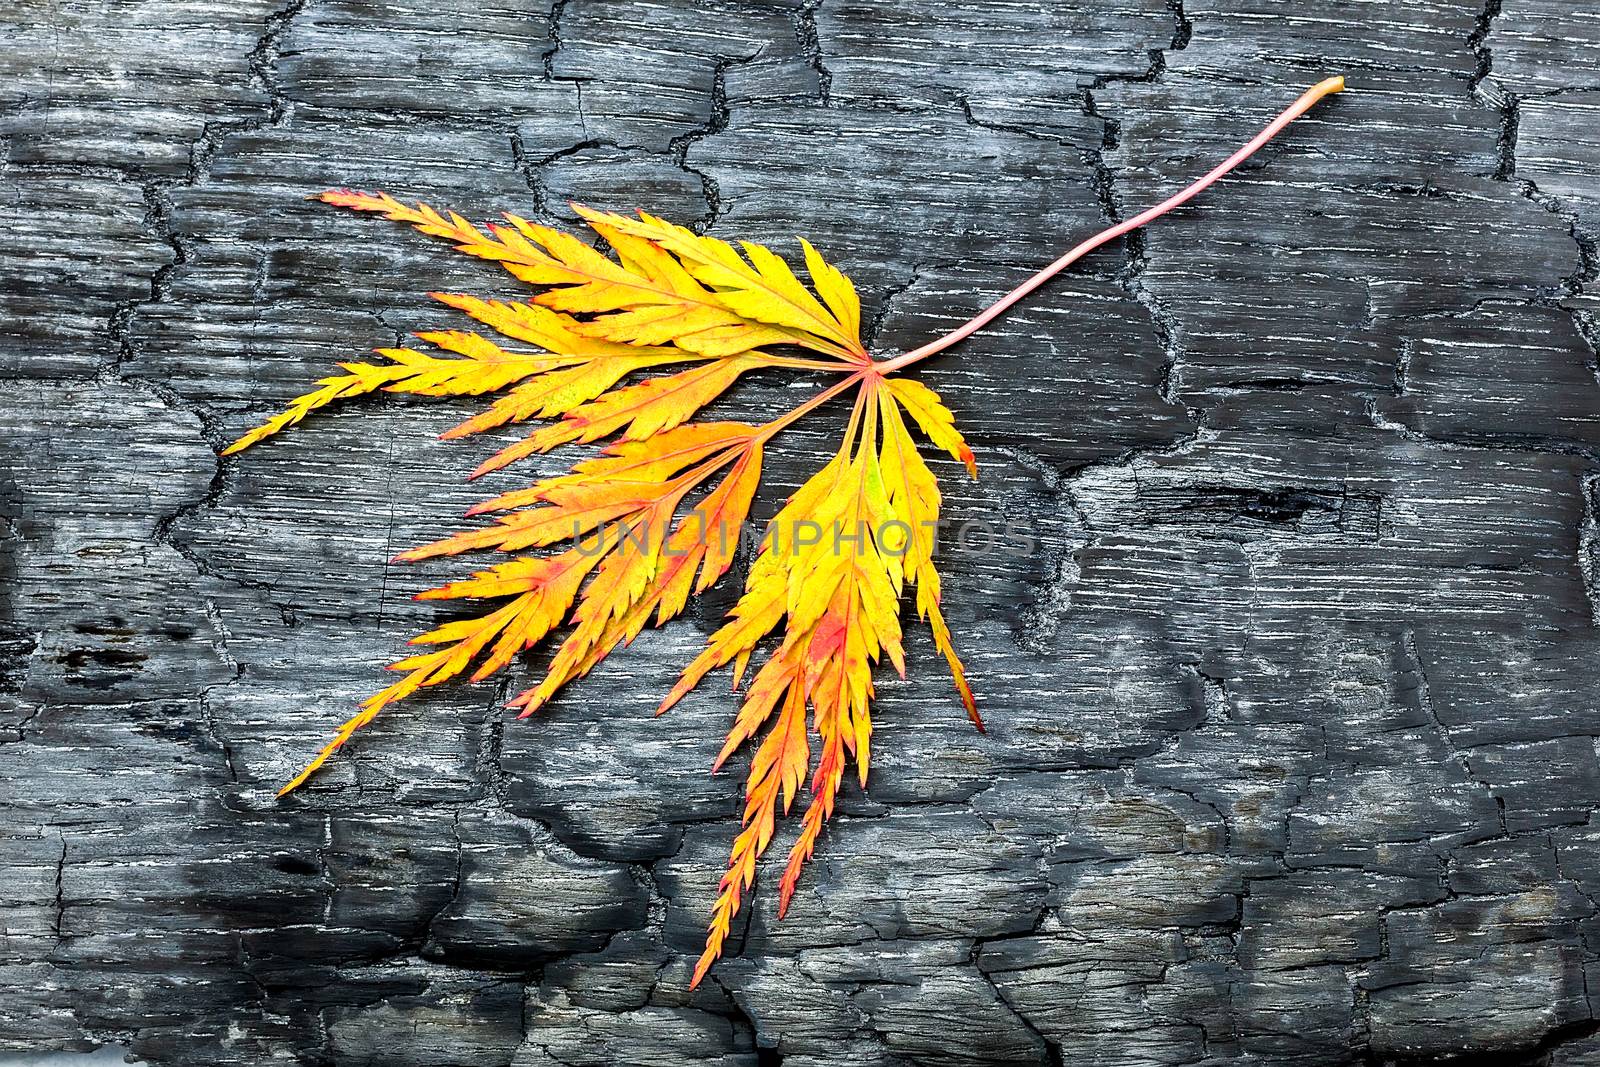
656,517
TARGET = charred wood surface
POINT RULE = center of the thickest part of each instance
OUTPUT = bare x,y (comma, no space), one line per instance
1293,691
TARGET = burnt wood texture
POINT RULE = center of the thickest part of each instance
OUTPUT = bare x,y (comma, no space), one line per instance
1293,688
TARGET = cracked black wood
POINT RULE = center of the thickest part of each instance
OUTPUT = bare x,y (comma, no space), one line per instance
1292,696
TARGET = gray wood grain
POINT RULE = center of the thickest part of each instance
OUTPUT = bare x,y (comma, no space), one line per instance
1292,700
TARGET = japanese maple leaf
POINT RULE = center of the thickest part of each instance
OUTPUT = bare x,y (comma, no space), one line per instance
628,348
